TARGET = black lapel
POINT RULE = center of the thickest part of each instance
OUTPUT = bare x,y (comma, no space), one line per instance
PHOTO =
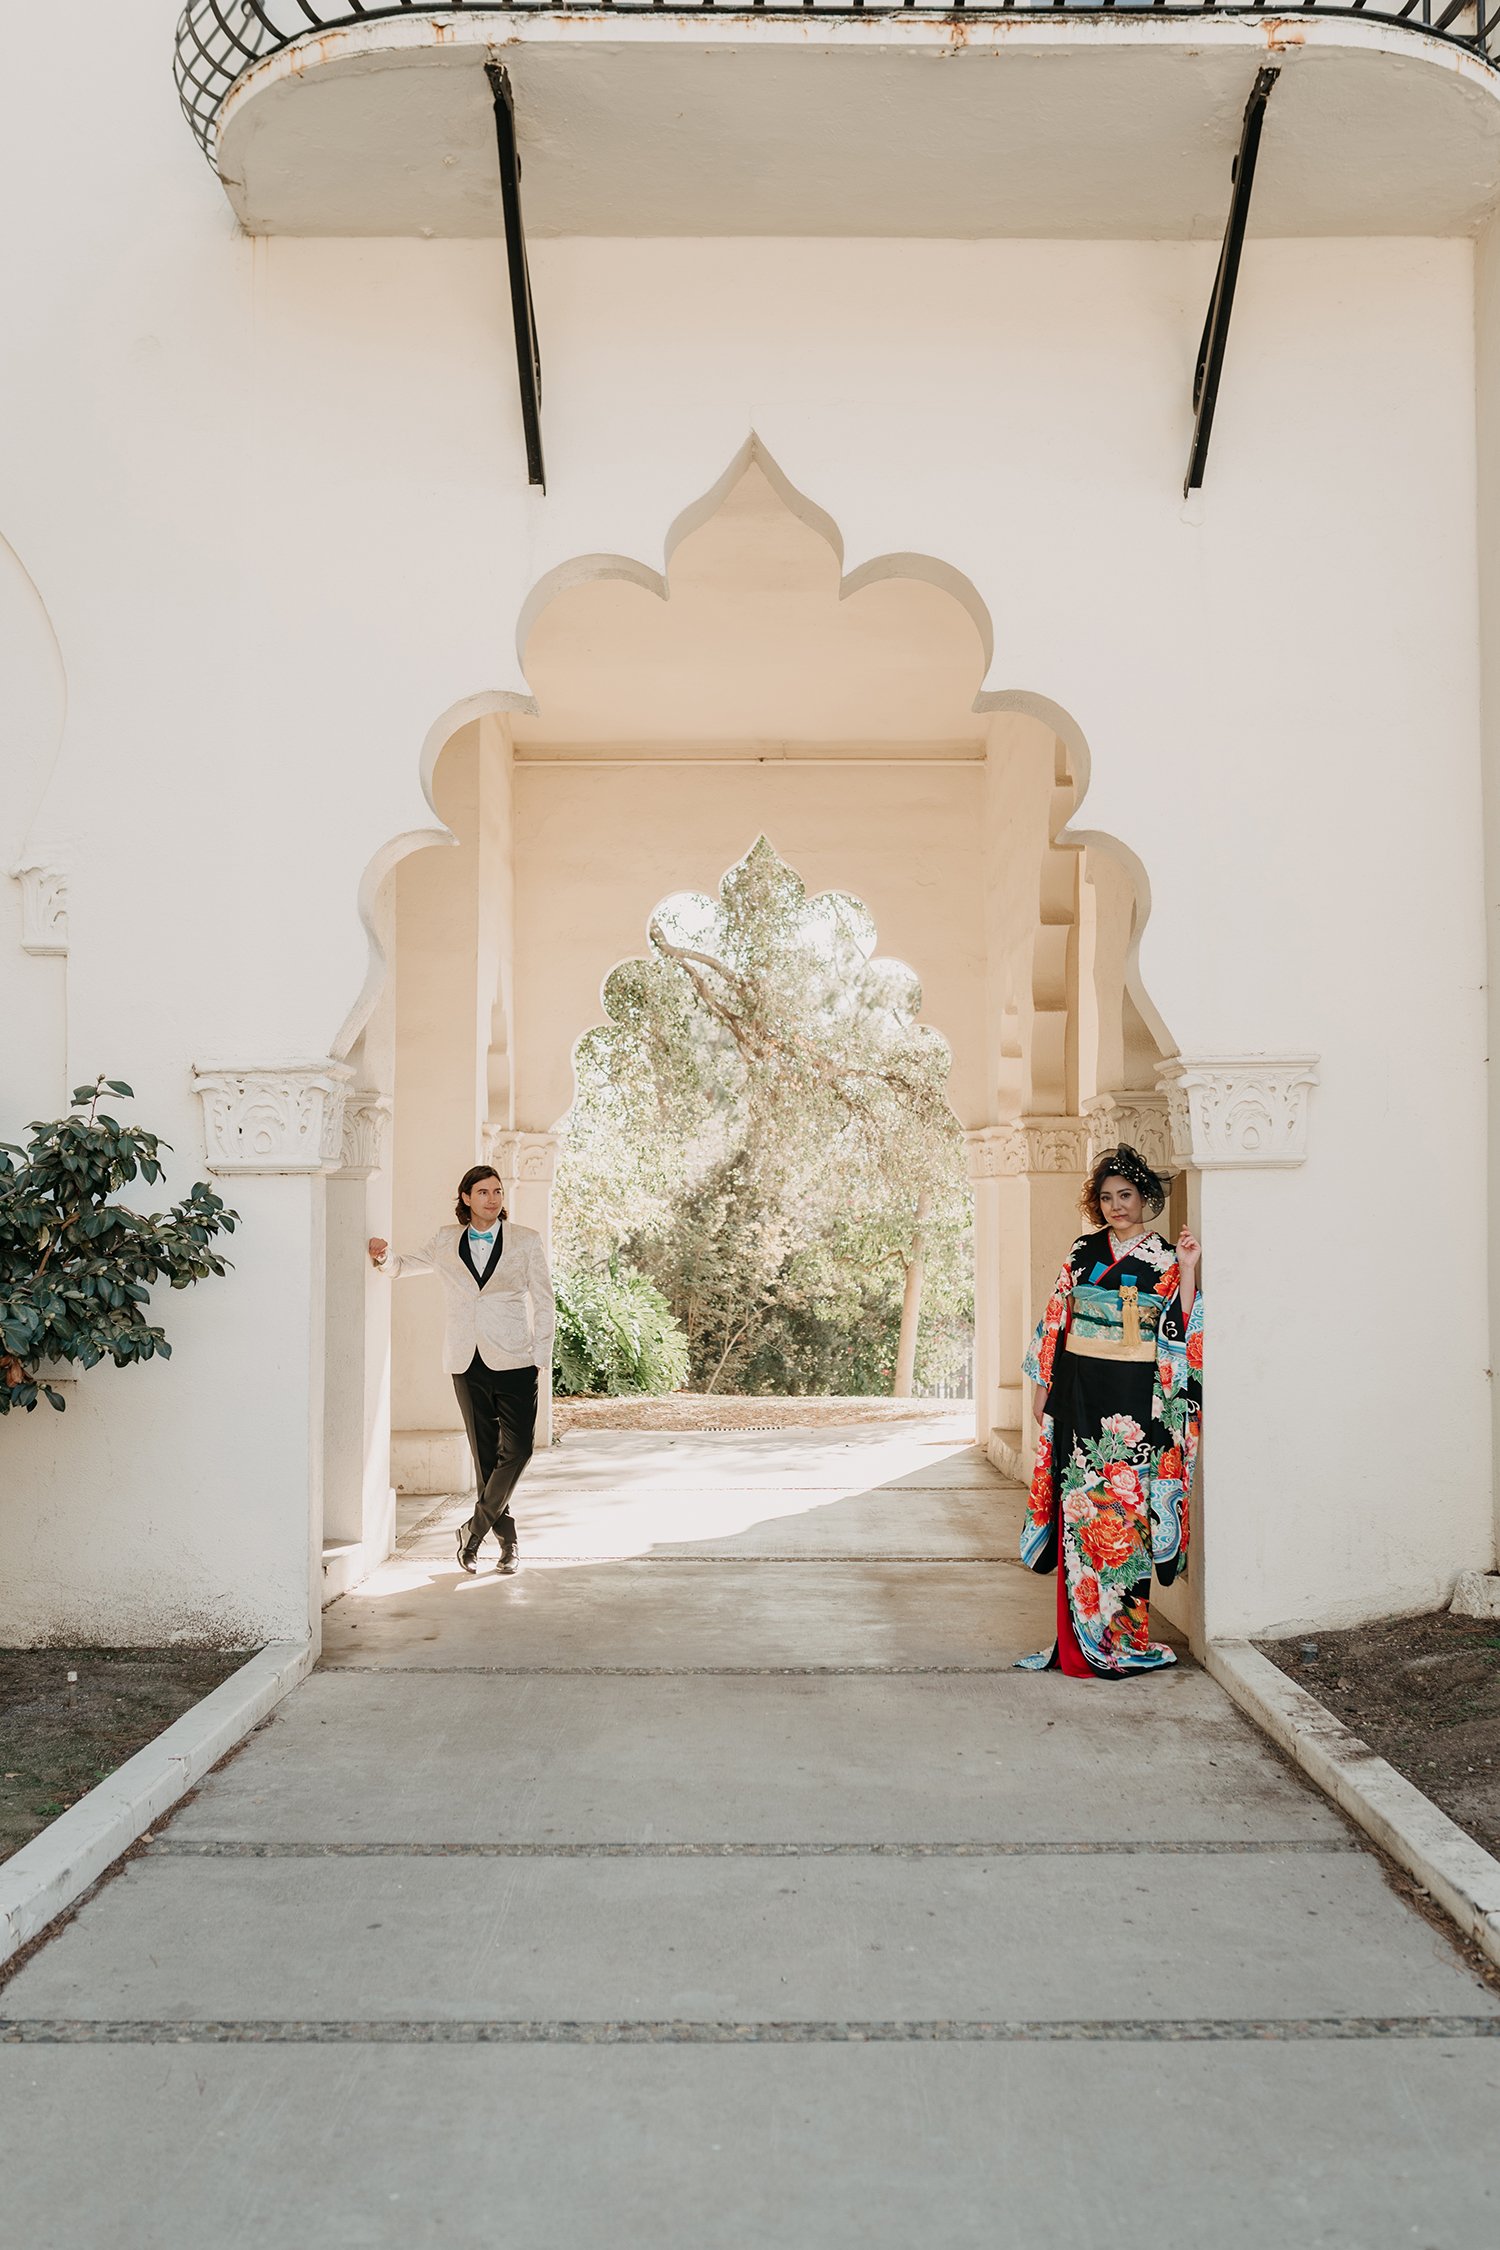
467,1254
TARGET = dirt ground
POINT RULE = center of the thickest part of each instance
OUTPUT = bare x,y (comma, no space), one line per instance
55,1744
705,1410
1425,1693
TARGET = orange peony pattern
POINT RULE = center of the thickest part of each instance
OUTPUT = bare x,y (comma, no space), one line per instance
1110,1541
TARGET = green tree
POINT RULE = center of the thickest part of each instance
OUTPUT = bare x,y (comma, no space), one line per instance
761,1126
77,1268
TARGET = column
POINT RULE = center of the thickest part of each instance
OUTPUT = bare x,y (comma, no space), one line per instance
990,1374
1031,1173
1238,1126
272,1133
358,1501
527,1164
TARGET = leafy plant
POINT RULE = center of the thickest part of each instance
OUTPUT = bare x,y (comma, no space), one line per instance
76,1269
616,1334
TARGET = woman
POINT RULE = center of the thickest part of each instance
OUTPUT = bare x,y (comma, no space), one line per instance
500,1318
1117,1362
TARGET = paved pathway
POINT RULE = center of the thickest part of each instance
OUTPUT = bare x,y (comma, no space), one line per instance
714,1884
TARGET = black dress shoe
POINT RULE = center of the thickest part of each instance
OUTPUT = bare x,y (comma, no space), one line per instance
466,1554
510,1546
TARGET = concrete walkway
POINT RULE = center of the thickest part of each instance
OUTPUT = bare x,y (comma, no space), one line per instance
714,1884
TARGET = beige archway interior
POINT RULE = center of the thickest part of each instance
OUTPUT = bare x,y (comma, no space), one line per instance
757,697
751,689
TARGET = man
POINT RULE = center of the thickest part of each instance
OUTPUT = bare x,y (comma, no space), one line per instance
498,1337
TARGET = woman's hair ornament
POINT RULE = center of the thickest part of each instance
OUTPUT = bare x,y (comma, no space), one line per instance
1123,1163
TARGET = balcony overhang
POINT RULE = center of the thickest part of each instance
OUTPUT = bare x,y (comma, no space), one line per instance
870,124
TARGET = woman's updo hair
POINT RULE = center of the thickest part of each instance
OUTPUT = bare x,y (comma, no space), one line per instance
466,1186
1123,1163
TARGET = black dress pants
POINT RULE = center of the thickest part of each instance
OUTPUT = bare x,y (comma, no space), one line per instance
498,1405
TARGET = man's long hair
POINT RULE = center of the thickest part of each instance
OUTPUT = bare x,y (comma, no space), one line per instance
466,1186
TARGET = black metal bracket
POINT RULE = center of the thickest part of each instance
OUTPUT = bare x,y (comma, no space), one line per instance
1216,327
523,313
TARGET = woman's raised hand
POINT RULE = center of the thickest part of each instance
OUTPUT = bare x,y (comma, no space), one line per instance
377,1250
1188,1252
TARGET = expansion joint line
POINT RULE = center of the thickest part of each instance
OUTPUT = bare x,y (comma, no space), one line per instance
54,2031
188,1847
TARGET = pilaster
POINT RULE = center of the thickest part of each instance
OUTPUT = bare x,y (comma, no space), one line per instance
358,1505
1230,1118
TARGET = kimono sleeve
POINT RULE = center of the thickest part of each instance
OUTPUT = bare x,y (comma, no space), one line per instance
1178,1408
1039,1361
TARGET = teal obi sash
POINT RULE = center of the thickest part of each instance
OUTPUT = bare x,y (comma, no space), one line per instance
1113,1323
1101,1312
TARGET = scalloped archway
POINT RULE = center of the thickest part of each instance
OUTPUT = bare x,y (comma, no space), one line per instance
744,686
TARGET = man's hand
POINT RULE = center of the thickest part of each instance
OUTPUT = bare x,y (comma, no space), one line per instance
377,1250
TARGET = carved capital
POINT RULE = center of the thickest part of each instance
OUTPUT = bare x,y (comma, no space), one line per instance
1138,1119
523,1159
1026,1145
44,906
362,1149
1053,1144
273,1117
1239,1112
991,1152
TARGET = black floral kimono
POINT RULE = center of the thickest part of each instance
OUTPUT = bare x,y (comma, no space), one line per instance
1123,1377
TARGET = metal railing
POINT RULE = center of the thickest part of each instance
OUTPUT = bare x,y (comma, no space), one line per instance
218,41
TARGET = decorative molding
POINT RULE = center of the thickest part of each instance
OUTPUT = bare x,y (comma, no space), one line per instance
523,1159
1138,1119
272,1117
1028,1145
362,1147
1239,1112
44,906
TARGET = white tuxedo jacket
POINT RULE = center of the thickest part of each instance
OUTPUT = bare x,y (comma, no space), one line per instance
509,1322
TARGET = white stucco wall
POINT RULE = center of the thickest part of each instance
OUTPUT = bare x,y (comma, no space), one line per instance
271,498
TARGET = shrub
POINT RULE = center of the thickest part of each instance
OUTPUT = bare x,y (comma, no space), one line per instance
76,1269
616,1334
